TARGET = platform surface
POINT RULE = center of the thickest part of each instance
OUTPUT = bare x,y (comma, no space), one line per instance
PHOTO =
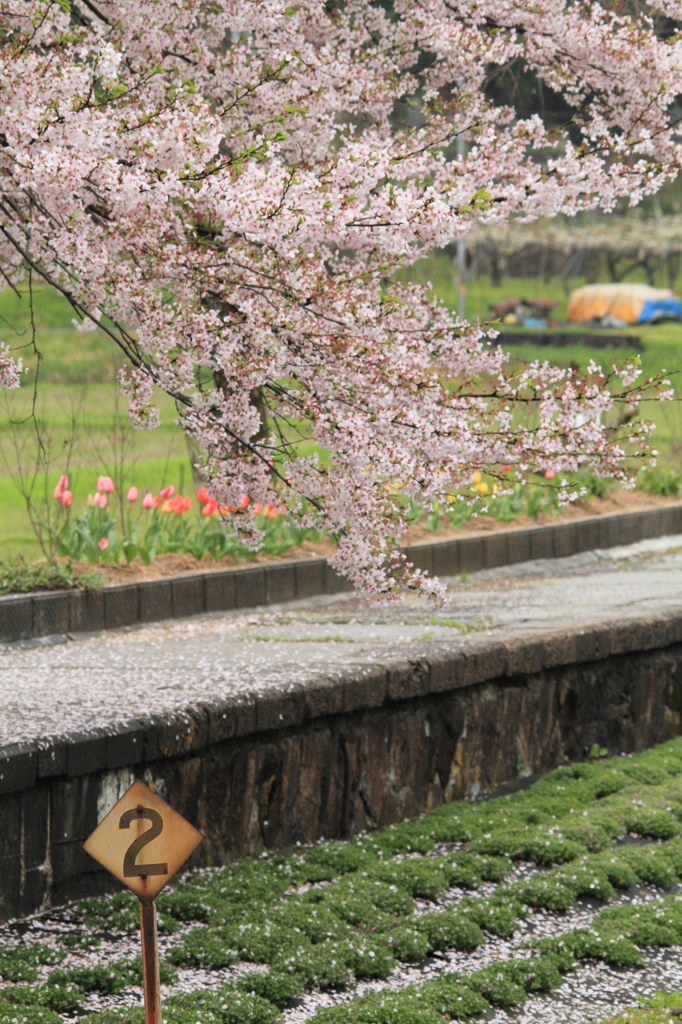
49,690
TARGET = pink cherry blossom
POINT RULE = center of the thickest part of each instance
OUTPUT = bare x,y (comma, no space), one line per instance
244,239
132,494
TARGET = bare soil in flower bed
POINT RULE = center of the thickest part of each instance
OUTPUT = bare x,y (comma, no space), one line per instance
558,904
167,565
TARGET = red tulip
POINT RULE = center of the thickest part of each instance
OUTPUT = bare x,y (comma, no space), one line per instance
257,508
167,491
203,495
244,501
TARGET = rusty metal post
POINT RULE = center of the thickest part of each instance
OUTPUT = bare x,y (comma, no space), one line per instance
150,963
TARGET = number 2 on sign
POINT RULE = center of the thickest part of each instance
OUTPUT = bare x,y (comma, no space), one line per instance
130,868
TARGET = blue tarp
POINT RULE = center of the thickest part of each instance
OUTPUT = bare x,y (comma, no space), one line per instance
659,309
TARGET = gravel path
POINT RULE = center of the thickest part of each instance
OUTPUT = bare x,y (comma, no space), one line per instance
51,691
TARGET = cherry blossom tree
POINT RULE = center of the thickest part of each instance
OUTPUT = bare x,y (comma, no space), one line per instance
227,189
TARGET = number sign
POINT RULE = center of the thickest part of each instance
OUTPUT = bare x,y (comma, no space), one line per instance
143,841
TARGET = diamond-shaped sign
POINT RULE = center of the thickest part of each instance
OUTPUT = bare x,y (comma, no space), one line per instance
143,841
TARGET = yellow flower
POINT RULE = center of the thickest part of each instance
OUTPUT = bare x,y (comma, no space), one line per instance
495,488
476,478
482,488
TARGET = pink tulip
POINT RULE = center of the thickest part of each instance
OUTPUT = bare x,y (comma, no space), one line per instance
67,498
58,493
257,508
105,484
103,544
148,500
550,474
63,482
167,491
132,494
101,500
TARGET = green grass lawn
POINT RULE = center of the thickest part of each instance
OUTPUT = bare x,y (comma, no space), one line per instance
82,417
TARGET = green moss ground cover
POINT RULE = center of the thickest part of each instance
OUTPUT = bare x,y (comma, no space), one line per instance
326,918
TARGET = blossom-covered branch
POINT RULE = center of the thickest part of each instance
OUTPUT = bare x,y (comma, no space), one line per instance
234,186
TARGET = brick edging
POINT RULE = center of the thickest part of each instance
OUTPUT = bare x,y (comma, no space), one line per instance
28,616
434,668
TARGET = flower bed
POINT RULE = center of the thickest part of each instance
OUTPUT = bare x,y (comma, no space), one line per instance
471,909
158,535
158,525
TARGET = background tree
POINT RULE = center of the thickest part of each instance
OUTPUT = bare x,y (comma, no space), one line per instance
227,189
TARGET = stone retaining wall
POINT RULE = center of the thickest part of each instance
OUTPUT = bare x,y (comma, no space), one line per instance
363,748
61,613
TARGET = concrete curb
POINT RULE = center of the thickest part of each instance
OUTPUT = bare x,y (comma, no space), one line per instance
61,613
